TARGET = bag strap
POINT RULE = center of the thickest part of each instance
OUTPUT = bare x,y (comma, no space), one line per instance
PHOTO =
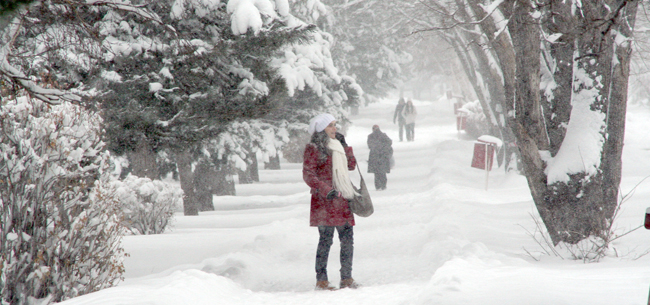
360,176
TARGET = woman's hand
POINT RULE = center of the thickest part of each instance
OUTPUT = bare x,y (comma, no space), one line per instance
341,139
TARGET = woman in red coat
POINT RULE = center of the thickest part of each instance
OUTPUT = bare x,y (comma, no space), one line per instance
327,161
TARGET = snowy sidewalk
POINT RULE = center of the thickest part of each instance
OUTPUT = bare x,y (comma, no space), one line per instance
437,236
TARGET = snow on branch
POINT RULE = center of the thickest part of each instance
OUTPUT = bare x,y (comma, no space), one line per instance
119,5
51,96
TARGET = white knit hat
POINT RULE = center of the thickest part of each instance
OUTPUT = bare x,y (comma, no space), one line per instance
319,122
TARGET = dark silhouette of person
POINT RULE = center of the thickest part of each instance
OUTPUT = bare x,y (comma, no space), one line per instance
399,117
381,151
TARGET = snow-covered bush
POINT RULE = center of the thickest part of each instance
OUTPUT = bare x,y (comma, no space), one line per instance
148,205
476,124
60,235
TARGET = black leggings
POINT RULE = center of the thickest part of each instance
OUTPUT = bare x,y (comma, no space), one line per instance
346,236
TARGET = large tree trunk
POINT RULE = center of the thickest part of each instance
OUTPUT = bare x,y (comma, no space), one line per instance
583,205
142,161
528,123
557,89
617,108
186,177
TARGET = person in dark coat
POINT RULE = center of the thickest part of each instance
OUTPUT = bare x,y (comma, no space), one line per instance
326,163
381,150
399,117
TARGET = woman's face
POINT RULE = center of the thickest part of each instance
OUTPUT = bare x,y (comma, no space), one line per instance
330,130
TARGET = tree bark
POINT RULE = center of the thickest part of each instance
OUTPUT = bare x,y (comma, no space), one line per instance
527,124
616,110
142,161
203,174
253,168
558,69
585,205
274,163
224,183
186,177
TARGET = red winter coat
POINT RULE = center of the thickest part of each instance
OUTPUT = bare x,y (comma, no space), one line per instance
317,173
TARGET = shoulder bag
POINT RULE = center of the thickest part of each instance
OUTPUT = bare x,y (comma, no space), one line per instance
361,204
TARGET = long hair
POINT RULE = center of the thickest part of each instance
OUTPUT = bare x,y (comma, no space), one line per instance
409,107
320,139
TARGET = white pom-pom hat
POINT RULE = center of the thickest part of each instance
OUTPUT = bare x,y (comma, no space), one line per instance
319,122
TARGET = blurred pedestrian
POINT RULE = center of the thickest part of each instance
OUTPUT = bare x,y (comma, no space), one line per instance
381,151
327,160
399,117
409,113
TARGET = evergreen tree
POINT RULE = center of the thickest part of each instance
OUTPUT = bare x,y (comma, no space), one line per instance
368,43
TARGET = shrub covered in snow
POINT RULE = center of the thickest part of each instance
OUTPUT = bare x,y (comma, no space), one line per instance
476,124
60,235
148,205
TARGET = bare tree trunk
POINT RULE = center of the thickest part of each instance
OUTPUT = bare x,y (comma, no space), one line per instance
186,177
142,161
203,178
584,205
558,67
244,177
274,163
223,180
251,173
253,168
528,123
617,108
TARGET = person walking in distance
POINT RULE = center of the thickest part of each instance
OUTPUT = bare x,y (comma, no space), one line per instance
326,163
409,113
399,117
381,150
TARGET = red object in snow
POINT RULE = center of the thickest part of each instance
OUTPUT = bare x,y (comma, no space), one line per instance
647,219
481,149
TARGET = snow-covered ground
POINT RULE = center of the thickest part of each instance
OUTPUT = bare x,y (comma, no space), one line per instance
437,235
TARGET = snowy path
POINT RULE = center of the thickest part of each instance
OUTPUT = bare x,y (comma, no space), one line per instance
437,236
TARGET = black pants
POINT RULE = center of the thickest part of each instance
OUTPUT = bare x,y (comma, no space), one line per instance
380,181
401,124
346,236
